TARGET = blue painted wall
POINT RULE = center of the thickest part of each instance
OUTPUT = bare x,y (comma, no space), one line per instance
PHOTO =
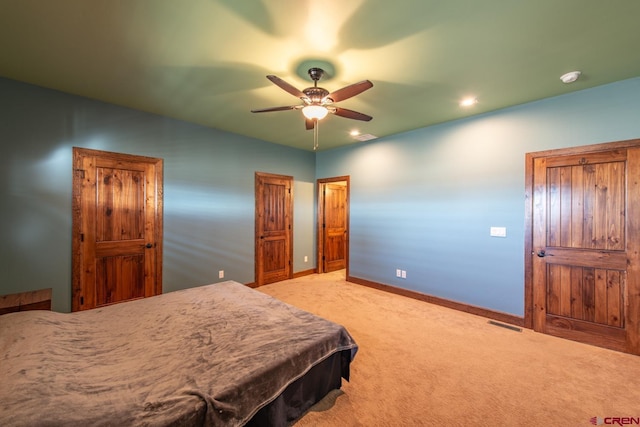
424,201
208,181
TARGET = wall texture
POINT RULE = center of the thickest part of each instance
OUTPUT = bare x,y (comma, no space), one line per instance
424,201
208,181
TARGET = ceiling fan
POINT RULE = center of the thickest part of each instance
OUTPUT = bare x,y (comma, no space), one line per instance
317,101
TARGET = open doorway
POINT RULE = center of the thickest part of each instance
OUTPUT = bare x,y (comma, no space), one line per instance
333,224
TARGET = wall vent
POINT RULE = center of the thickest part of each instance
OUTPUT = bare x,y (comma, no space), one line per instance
364,137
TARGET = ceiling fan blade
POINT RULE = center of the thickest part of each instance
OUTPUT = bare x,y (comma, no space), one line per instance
349,91
286,86
266,110
350,114
310,123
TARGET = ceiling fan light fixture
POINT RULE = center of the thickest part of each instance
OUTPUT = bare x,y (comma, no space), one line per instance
317,112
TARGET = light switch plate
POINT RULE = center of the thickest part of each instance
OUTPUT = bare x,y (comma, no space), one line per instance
498,232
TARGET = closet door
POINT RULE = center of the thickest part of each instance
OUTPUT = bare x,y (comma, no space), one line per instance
273,230
117,228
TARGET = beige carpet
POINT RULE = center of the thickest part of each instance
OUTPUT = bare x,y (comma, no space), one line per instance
424,365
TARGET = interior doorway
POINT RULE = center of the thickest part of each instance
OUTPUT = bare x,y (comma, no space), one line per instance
333,224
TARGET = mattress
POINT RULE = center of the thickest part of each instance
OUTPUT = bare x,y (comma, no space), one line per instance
211,355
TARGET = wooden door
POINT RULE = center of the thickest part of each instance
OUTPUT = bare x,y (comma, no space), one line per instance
585,251
274,236
335,226
117,228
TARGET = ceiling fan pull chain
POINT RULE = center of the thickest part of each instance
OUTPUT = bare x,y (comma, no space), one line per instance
315,135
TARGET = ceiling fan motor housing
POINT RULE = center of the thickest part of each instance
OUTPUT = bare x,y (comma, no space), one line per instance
316,94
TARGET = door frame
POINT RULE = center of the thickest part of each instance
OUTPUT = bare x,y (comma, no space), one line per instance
529,209
321,183
77,214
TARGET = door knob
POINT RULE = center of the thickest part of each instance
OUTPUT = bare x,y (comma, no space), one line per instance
149,245
541,253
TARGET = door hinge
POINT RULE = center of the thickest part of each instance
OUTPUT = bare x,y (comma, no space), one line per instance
81,300
82,237
323,257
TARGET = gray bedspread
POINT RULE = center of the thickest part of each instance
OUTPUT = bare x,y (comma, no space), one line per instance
211,355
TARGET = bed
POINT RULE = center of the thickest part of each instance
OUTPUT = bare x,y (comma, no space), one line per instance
216,355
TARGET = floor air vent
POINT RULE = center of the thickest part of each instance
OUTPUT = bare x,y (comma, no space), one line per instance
503,325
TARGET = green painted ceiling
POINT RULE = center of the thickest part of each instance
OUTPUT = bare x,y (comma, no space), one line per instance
205,61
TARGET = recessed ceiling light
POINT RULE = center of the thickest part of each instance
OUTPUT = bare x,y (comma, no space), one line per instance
354,132
570,77
468,102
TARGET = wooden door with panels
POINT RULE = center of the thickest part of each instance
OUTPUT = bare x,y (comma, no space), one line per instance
584,256
273,228
117,228
333,222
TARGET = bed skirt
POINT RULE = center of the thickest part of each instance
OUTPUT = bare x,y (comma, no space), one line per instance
305,392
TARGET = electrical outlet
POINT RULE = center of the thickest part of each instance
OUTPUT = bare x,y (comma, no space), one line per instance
403,274
398,273
306,258
221,274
